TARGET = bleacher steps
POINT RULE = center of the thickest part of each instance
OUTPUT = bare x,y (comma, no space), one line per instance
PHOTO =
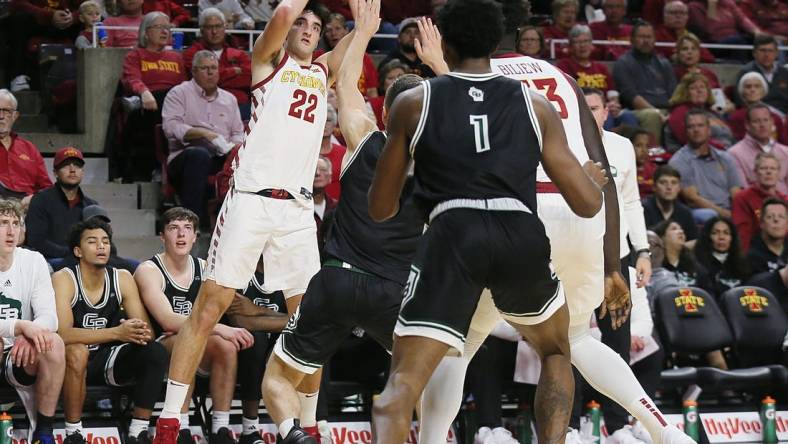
137,247
132,222
34,123
50,142
113,195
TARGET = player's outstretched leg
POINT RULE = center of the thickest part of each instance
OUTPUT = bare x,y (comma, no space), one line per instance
413,360
211,303
615,380
555,391
282,400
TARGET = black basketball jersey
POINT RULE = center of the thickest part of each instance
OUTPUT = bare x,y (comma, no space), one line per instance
476,139
107,313
181,299
384,249
255,292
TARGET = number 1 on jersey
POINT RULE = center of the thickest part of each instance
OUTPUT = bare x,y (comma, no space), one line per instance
481,132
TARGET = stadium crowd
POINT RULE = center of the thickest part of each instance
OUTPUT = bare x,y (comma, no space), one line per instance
711,172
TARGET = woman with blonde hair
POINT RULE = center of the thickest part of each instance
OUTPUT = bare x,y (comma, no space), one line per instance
687,59
693,91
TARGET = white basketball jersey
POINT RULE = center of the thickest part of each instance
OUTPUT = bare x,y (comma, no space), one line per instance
285,131
552,83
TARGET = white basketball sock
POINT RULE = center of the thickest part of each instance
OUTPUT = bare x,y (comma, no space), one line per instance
441,399
185,421
173,399
286,426
138,426
219,420
308,416
611,376
73,427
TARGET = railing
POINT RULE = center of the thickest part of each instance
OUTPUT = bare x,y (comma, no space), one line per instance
555,42
252,34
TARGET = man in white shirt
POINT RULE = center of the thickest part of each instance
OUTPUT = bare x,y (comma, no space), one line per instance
621,156
34,361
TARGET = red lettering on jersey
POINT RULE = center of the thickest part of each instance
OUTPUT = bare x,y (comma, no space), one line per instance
549,86
301,98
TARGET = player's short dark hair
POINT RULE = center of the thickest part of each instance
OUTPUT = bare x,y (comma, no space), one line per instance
473,28
763,39
179,213
319,10
757,105
638,24
666,170
772,201
93,223
399,86
591,91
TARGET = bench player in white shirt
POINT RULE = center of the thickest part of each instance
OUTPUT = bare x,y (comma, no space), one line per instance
585,253
35,357
269,207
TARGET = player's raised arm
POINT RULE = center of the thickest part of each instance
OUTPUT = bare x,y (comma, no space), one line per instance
392,167
354,120
333,59
428,46
581,193
267,49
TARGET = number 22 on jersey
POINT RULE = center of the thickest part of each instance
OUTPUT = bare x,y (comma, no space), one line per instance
303,106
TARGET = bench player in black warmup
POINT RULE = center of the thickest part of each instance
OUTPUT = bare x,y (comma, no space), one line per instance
264,315
168,284
476,139
106,331
366,265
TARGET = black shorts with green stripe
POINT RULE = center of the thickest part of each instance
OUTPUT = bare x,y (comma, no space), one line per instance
467,250
339,298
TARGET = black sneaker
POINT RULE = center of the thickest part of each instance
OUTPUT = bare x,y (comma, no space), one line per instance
223,436
75,438
252,438
142,438
185,437
297,435
43,438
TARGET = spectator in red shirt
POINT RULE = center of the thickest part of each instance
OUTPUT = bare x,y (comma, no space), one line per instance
33,22
693,92
721,21
388,73
646,167
530,41
149,72
769,15
22,170
235,67
177,14
673,27
335,29
746,206
587,72
688,57
564,18
131,15
752,88
334,152
613,28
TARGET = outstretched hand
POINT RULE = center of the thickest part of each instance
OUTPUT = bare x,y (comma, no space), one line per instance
367,16
428,45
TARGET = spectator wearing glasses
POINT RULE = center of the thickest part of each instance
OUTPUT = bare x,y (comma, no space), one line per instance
579,64
765,63
23,172
675,16
202,124
149,72
529,41
235,67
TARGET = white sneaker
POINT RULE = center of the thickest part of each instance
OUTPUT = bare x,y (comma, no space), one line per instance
672,435
482,435
20,83
502,436
624,435
641,433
